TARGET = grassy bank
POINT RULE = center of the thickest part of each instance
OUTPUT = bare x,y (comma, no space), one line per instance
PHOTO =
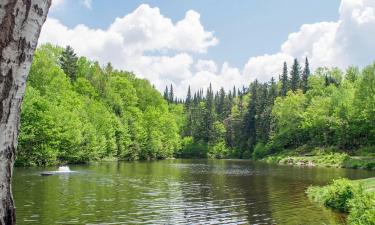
339,160
357,198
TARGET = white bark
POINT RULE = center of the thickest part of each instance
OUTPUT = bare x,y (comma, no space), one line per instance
20,25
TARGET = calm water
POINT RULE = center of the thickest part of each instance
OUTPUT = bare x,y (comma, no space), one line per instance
175,192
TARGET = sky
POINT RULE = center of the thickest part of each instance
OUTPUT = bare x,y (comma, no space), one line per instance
226,43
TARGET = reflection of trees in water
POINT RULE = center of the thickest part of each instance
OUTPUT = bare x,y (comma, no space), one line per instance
227,192
186,191
287,199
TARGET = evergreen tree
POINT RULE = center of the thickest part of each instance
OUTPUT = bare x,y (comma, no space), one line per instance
305,76
295,76
284,81
171,94
209,116
273,90
166,93
249,123
220,110
68,62
188,100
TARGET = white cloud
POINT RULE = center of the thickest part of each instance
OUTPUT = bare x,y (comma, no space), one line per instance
155,48
348,41
146,29
206,65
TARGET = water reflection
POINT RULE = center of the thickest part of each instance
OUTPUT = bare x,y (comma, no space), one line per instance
175,192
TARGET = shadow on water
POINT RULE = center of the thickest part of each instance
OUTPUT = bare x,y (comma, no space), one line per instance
175,192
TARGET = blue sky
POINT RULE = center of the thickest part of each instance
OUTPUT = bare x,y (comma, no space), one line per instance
222,42
245,28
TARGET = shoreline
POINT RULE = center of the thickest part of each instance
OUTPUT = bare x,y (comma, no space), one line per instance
356,198
335,160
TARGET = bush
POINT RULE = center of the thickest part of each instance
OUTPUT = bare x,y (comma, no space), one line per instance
347,196
336,195
366,151
260,151
362,209
218,151
246,154
192,149
333,159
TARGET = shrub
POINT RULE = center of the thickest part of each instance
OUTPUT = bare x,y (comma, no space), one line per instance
246,154
362,209
192,149
218,151
333,159
336,195
260,151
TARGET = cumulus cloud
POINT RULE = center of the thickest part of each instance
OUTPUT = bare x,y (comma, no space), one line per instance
152,46
348,41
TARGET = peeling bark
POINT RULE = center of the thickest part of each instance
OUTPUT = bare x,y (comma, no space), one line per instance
20,25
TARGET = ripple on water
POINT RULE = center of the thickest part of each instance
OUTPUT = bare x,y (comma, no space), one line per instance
171,193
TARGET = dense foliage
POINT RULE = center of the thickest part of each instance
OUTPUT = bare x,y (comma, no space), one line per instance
350,197
76,111
301,113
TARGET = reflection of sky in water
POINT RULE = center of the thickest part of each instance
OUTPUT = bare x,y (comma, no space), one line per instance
174,192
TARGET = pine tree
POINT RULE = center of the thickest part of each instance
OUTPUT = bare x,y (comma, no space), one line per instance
295,74
166,94
209,116
249,123
284,81
171,94
273,90
305,76
68,62
221,104
188,100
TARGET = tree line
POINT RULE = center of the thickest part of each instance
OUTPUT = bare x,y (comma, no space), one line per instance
329,110
78,111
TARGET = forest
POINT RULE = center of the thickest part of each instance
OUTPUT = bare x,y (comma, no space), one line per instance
77,111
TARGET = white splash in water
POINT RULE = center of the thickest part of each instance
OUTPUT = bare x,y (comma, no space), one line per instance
64,169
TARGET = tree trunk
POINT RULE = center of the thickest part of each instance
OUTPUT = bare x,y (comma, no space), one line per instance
20,25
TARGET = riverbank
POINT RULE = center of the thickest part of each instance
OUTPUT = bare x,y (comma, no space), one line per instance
355,197
338,160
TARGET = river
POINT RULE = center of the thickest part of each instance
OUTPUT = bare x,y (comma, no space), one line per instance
175,192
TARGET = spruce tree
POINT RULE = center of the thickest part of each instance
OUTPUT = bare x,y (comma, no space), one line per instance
295,76
273,90
284,81
209,116
305,76
68,62
166,94
221,104
188,100
249,123
171,94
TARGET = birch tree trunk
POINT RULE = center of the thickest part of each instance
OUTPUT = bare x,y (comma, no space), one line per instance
20,25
